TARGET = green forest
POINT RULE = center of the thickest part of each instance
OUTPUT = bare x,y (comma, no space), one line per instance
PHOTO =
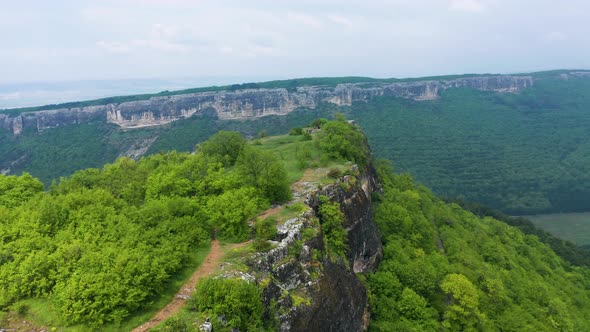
522,153
101,244
100,247
448,269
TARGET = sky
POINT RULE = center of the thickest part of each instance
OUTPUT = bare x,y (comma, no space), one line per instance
238,41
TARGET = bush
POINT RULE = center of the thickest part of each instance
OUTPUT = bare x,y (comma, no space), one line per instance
331,219
225,146
334,173
176,324
296,132
343,141
264,230
318,123
20,308
238,300
262,170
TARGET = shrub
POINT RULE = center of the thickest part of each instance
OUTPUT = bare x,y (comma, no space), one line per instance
238,300
296,131
318,123
264,230
331,219
20,308
344,141
334,173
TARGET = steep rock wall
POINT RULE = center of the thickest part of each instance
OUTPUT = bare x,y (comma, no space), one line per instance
330,296
249,103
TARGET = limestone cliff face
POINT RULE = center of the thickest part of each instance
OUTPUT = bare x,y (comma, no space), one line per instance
249,103
305,289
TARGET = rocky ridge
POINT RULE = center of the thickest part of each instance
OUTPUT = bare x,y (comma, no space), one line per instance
248,103
303,287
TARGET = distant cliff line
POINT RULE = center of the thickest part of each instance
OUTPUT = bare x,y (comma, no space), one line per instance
249,103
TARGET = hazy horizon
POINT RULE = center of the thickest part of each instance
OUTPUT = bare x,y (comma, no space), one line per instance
67,40
230,41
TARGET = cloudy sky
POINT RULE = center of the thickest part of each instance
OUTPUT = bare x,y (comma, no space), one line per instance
62,40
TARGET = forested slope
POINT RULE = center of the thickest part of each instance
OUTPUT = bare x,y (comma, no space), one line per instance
521,153
445,268
99,246
104,243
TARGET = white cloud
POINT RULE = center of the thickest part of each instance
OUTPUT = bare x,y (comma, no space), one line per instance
226,50
342,20
306,20
555,36
472,6
113,47
288,38
161,45
162,31
10,96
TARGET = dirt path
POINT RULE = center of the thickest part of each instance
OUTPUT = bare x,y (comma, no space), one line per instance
270,212
209,265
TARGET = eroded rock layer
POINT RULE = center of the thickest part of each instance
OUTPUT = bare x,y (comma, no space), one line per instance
248,103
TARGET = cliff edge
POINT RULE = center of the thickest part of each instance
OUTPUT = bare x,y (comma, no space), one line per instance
248,103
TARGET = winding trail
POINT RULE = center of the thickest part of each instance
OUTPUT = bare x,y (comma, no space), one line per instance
209,265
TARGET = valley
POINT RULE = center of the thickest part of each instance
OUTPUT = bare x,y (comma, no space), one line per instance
574,227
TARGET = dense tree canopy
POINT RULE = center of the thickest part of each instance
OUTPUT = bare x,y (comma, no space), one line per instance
225,147
522,153
342,140
445,268
99,244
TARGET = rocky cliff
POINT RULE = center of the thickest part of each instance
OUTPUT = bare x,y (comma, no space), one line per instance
304,289
248,103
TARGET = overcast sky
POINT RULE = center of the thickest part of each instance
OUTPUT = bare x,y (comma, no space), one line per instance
63,40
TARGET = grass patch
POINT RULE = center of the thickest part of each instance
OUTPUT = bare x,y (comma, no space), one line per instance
296,153
291,211
237,256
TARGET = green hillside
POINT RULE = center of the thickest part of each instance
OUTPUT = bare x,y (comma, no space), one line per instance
522,153
104,248
106,243
445,268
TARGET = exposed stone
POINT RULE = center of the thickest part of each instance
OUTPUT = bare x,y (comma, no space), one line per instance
365,251
304,289
139,148
250,103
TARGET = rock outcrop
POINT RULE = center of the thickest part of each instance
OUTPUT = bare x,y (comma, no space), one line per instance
304,288
248,103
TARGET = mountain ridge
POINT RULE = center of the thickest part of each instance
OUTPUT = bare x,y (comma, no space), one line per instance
249,102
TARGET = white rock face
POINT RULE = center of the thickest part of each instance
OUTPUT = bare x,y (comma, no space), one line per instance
249,103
